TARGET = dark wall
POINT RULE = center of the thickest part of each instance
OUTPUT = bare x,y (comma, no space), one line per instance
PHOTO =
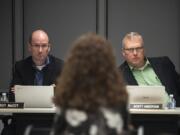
158,21
5,43
64,20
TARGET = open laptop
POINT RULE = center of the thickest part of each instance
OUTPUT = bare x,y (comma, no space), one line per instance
143,95
34,96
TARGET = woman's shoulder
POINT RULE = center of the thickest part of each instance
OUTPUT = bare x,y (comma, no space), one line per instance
103,120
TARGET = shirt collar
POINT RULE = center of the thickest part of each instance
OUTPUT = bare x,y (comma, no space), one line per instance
147,63
47,61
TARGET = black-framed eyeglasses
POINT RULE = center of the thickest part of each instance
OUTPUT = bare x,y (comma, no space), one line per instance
131,50
43,46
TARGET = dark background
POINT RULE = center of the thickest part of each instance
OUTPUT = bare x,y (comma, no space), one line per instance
64,20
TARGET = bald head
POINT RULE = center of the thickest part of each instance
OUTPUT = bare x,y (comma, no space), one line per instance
38,34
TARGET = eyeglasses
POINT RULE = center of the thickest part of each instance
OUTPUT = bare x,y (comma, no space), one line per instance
43,46
131,50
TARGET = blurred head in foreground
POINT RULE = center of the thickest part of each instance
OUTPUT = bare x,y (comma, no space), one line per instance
90,78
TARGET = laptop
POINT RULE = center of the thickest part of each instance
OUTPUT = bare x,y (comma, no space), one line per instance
147,95
34,96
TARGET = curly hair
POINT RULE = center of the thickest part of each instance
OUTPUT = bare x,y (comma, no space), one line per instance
90,78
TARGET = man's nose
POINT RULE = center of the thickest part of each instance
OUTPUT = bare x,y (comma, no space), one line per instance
134,51
40,48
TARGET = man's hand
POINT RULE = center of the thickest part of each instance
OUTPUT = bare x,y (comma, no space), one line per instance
53,85
12,89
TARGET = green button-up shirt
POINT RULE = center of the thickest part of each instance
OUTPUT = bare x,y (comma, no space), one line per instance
145,75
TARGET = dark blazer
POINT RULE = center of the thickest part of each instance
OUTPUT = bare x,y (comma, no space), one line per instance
24,71
164,69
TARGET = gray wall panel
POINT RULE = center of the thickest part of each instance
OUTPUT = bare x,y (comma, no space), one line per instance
6,43
64,20
157,20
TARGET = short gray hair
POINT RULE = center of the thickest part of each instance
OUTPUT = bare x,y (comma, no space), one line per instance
130,36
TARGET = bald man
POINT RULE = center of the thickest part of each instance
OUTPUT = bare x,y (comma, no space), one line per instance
40,68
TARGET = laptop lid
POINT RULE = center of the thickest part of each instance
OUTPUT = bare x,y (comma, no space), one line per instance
34,96
147,94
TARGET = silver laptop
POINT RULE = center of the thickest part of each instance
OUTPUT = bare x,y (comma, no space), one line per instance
147,94
34,96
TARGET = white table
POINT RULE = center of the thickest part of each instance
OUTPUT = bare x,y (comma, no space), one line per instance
156,111
27,110
53,110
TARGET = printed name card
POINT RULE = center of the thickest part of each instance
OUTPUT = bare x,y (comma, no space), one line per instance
146,106
11,105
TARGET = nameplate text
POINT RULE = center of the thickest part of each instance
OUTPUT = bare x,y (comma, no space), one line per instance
146,106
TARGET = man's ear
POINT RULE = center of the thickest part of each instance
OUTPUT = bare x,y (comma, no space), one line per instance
29,47
123,53
49,49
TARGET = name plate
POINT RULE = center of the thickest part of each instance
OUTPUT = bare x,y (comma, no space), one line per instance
11,105
146,106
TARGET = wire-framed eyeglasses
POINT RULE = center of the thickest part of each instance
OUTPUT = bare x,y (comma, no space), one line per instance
131,50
